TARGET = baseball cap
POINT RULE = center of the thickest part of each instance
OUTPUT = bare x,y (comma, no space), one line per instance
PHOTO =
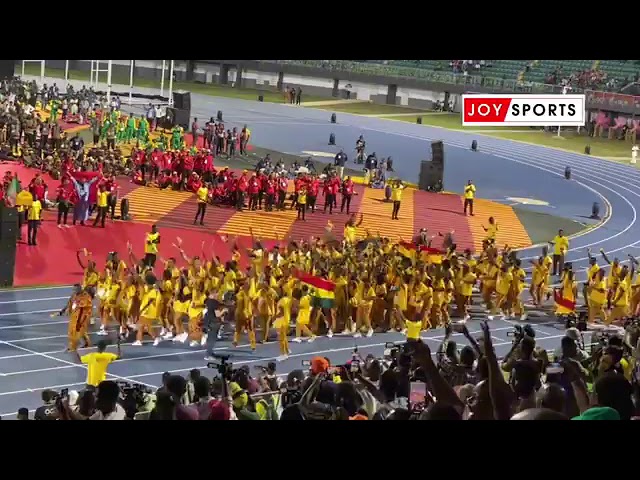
599,413
319,365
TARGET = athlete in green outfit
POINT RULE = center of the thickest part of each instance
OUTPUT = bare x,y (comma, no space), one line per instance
131,129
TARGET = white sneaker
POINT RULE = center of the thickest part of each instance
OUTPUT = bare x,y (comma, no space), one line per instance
329,334
157,341
203,340
490,317
370,332
137,343
297,340
194,343
168,336
282,358
404,331
92,321
311,339
466,318
391,330
354,329
357,335
523,317
163,331
506,317
346,331
184,337
60,226
102,331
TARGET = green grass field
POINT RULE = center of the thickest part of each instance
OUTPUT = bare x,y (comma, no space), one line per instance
366,108
194,87
569,140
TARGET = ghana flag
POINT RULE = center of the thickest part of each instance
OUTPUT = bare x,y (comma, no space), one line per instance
322,290
564,306
427,254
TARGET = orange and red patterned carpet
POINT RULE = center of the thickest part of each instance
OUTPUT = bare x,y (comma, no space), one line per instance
53,260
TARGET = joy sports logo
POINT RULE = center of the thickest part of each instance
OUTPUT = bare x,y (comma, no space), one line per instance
524,110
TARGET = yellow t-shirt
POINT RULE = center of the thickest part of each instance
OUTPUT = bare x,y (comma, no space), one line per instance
469,192
285,304
304,312
492,231
623,291
34,210
149,246
413,330
302,198
466,289
150,297
97,364
504,283
102,199
396,193
197,304
599,297
591,273
350,233
560,245
202,194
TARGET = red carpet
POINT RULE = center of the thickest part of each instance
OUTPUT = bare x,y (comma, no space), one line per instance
442,213
26,174
53,260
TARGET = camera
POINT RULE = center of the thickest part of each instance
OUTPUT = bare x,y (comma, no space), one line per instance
222,365
577,321
519,332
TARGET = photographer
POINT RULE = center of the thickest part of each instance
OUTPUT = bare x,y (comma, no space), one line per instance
457,370
269,381
106,405
213,321
48,411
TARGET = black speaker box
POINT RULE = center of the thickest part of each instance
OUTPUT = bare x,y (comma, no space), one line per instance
437,151
431,176
176,116
7,263
182,100
8,214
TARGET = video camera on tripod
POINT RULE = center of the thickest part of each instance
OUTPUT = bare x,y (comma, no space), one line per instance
222,365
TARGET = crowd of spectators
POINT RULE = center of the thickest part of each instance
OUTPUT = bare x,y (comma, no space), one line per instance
585,79
596,382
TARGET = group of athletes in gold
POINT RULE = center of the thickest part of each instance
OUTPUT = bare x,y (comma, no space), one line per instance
380,286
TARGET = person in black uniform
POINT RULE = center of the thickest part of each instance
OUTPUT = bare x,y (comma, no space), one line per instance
213,323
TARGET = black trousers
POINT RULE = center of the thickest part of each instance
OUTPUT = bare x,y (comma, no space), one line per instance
253,201
396,209
101,216
240,202
32,231
558,264
302,207
282,195
150,259
269,202
312,203
202,208
329,201
346,200
112,201
213,328
63,212
111,143
468,203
